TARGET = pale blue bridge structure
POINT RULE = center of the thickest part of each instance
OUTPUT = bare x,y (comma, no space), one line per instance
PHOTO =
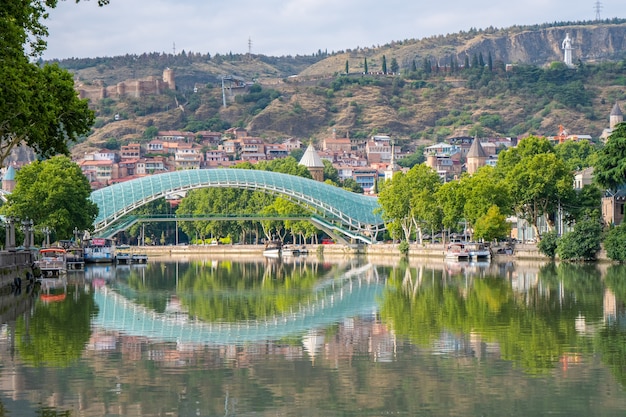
336,211
356,293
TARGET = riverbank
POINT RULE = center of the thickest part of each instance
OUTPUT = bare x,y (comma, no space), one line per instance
434,251
392,250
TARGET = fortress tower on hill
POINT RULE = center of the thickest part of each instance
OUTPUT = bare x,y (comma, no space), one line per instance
152,85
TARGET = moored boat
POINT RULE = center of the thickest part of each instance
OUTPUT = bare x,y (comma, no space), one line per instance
123,255
99,250
52,261
457,251
273,249
478,251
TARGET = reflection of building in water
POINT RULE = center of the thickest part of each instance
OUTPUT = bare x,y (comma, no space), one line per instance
610,307
174,309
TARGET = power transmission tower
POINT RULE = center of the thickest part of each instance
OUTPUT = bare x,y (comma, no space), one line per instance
598,7
174,48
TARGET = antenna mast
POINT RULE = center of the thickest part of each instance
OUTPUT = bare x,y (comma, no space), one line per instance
598,7
174,48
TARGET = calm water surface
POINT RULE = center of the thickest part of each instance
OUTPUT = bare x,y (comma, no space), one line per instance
311,337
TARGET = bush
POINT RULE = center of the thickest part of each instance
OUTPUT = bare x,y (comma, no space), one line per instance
403,247
615,243
583,243
548,244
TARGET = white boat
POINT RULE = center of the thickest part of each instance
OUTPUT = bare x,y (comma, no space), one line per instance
52,262
478,251
99,250
273,249
75,258
123,255
294,250
457,251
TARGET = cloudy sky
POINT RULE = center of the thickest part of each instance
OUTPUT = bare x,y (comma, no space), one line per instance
286,27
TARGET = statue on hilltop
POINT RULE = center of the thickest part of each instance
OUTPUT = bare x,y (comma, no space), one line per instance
567,48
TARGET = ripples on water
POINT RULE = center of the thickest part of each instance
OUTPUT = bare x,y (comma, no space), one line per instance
311,338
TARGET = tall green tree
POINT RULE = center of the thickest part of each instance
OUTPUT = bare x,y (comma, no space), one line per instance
393,66
492,225
576,154
538,180
53,193
365,69
384,65
38,105
610,166
408,201
451,199
483,190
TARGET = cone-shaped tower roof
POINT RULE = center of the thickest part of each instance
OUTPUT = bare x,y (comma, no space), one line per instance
616,111
476,150
311,159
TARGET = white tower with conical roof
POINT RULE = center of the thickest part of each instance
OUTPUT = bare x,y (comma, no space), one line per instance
312,161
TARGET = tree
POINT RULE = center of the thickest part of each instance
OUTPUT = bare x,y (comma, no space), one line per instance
610,167
451,200
548,244
408,201
347,67
615,243
330,172
581,244
53,193
365,69
576,155
492,225
38,105
538,180
394,67
384,65
481,192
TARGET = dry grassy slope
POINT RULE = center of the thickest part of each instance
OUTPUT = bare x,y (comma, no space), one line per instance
306,110
537,47
305,113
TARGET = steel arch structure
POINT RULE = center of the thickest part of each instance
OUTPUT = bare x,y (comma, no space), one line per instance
355,213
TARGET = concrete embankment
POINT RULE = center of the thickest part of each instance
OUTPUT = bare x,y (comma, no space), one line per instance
14,264
391,251
379,250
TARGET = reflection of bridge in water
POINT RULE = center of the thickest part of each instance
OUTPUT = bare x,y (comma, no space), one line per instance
354,294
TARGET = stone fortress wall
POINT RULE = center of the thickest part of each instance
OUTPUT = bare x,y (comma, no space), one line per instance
152,85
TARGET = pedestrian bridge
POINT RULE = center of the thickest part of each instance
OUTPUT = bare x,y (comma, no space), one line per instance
354,294
335,209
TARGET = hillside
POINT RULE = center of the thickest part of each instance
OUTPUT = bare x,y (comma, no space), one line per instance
445,86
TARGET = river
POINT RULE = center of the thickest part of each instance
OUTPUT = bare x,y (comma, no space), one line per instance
315,336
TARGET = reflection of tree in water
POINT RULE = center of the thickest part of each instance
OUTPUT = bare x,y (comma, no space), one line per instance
223,290
56,333
533,329
234,291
